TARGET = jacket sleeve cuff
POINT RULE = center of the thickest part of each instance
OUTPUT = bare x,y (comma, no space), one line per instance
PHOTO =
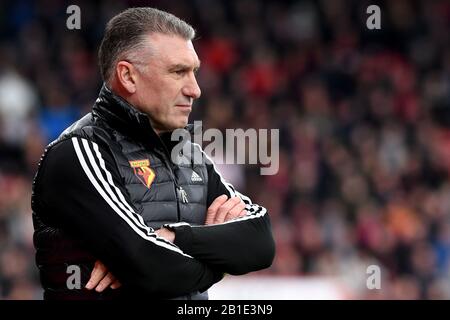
183,236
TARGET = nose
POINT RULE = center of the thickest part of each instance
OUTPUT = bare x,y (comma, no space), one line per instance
191,88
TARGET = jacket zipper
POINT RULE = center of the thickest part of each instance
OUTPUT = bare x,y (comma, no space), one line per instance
179,191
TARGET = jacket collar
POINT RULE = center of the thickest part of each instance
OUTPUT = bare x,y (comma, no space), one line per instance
117,111
123,117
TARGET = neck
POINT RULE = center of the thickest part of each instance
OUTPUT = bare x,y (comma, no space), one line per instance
120,91
155,127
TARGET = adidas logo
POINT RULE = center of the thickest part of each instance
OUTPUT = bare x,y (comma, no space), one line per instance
195,177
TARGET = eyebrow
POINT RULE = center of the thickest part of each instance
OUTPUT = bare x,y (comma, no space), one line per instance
181,66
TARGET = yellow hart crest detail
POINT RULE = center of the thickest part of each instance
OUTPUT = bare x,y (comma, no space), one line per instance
143,171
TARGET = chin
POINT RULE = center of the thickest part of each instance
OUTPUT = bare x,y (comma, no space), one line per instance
181,124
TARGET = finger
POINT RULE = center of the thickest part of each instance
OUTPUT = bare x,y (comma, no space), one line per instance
212,210
116,284
106,282
220,200
98,273
225,208
167,234
235,211
242,213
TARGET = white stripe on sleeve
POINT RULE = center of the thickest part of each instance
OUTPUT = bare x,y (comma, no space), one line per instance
145,235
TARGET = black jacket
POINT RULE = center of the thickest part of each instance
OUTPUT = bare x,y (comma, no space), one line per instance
103,187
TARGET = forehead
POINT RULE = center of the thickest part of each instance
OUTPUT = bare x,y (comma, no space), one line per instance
171,50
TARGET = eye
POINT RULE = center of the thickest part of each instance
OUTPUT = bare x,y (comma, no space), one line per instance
180,72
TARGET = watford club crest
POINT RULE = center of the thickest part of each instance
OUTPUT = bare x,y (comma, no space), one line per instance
143,171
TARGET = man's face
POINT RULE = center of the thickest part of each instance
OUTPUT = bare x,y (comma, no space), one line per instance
166,87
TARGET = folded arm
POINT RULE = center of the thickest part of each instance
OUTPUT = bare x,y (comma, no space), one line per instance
237,246
84,193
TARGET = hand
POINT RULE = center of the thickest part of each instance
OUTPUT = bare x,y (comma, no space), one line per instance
222,210
101,278
166,234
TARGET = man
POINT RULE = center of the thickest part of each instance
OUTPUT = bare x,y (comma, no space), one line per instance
109,200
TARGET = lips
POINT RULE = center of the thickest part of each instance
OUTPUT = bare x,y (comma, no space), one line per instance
185,108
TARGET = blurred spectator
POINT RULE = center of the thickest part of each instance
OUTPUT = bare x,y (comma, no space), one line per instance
17,100
57,115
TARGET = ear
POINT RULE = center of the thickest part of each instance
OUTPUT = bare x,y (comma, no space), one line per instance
126,75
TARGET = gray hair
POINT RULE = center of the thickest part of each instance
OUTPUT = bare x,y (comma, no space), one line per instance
125,35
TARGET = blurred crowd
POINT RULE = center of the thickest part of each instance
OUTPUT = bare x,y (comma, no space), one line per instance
364,120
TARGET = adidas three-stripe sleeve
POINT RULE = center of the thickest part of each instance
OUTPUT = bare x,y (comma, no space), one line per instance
79,184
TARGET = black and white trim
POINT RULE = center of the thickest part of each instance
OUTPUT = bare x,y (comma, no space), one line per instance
254,211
